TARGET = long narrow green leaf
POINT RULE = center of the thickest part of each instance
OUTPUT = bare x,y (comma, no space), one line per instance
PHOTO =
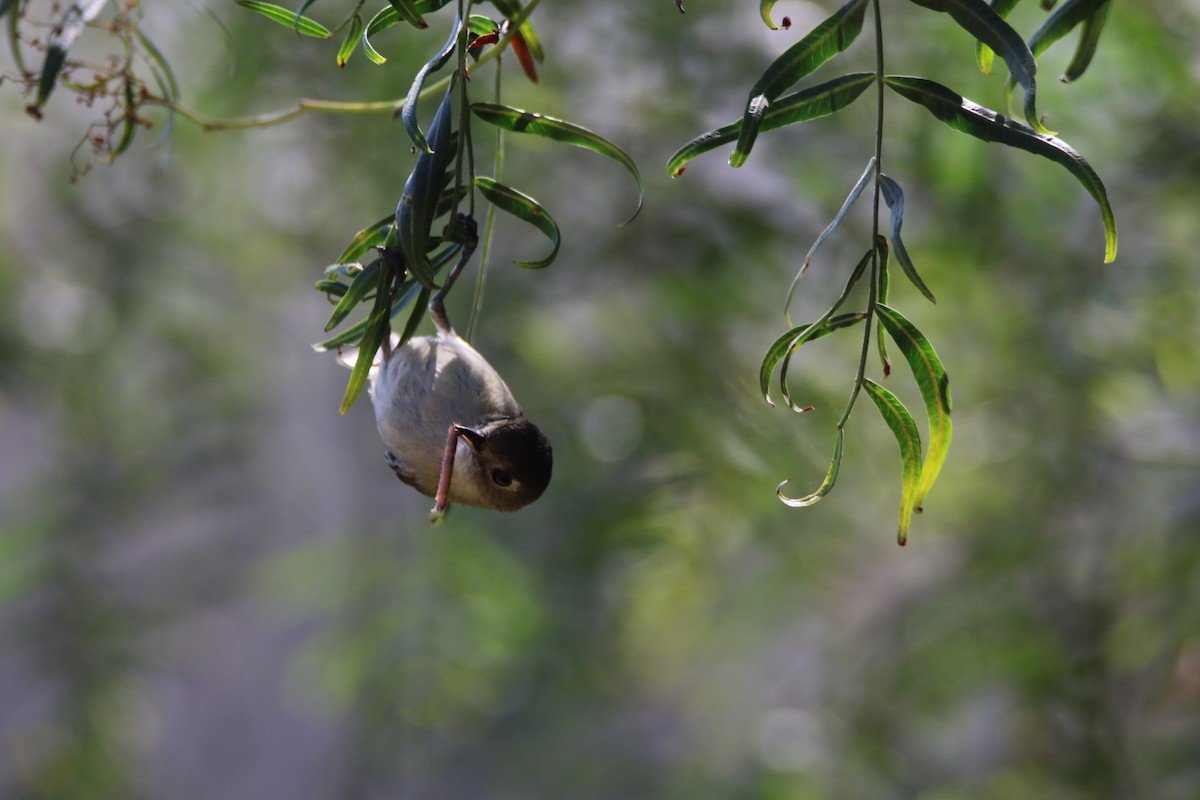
408,290
409,13
818,101
893,195
524,207
1089,38
823,42
386,18
883,287
5,5
983,123
518,121
370,236
905,429
935,391
863,180
983,53
408,111
764,9
418,204
827,484
1061,22
780,347
350,43
365,282
377,327
287,18
981,21
857,273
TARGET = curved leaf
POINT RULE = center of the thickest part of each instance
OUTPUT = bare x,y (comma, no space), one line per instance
289,19
983,123
418,205
883,286
823,42
981,21
386,18
524,207
363,284
827,484
764,8
409,13
893,195
408,111
1061,22
983,53
819,101
790,340
905,429
377,326
859,268
1089,38
370,236
850,198
350,43
518,121
935,391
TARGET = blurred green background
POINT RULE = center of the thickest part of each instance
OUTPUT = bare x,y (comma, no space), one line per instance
212,587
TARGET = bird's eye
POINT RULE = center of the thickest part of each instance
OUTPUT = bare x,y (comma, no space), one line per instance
501,478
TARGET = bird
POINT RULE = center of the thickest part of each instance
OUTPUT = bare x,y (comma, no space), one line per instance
450,425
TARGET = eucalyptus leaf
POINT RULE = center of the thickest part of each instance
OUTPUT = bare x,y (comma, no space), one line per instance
409,13
365,282
408,111
764,9
983,53
1062,21
808,104
983,123
823,42
981,21
418,205
893,196
386,18
791,339
863,180
350,43
378,324
883,287
827,484
287,18
518,121
1089,38
523,207
931,378
371,236
905,430
803,337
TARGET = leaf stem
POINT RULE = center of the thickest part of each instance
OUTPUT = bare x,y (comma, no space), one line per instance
305,104
873,286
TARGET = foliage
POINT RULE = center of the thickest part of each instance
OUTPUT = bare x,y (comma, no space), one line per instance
767,110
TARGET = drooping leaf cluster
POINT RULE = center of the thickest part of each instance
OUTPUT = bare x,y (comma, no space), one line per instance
768,108
406,253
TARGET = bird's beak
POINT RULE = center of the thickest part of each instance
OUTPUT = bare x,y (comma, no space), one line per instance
473,437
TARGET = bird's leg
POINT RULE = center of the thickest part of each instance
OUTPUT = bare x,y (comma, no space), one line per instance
466,233
442,498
